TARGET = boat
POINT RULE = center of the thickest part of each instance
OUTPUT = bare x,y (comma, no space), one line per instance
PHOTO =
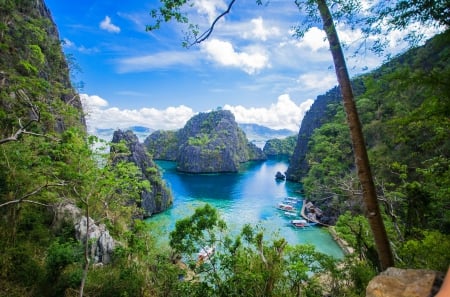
292,214
286,207
302,223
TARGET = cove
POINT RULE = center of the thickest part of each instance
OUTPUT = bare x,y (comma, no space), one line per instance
249,196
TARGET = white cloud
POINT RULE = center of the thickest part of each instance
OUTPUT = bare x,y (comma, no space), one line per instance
98,116
284,114
68,44
210,8
259,31
317,81
314,39
158,60
108,26
224,54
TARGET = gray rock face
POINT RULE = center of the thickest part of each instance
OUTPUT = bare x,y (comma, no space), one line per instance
213,142
159,198
102,243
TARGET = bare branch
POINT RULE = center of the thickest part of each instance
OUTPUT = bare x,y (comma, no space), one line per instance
205,35
32,193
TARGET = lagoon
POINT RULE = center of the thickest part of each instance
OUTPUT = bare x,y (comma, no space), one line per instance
249,196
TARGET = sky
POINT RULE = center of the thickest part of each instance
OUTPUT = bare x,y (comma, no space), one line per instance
251,64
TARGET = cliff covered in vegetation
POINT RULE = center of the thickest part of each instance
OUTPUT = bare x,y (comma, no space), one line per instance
158,198
209,142
404,110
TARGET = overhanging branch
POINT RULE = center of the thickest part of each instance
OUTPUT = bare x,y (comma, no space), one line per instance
205,35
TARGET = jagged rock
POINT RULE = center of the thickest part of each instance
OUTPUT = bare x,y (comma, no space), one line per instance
395,282
209,142
102,243
159,198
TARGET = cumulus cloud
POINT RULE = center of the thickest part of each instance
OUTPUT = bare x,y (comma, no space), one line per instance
100,116
223,53
284,114
108,26
314,39
259,31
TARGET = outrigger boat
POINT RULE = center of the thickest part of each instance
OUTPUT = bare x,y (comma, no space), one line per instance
286,207
302,223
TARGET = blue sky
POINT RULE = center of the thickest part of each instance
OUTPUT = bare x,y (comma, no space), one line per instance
250,65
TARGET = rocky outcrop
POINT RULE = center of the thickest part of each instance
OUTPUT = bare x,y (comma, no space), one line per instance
162,145
395,282
209,142
159,198
101,242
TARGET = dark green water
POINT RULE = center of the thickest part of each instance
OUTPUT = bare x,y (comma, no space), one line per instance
249,196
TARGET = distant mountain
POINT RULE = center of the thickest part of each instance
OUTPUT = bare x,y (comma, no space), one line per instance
260,134
140,131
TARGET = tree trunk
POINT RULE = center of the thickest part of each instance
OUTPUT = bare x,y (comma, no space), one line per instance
361,159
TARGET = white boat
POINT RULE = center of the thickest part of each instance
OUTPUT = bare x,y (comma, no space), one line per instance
302,223
286,207
292,214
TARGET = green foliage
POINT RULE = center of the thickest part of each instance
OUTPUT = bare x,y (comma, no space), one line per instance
428,251
200,140
283,146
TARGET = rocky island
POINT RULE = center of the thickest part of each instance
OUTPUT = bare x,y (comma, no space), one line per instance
209,142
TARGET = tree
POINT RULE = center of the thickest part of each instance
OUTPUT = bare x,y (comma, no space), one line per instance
171,10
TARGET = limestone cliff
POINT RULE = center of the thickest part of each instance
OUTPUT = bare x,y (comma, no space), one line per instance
35,81
162,145
313,119
322,110
159,198
209,142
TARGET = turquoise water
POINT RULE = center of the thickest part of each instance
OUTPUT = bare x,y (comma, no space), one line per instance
249,196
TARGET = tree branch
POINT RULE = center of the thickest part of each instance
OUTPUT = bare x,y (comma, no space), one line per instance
205,35
34,192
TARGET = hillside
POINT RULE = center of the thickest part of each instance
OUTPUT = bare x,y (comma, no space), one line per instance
404,110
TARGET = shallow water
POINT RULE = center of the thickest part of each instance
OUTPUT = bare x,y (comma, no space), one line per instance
249,196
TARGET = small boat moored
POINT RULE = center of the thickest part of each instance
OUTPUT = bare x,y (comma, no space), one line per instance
301,223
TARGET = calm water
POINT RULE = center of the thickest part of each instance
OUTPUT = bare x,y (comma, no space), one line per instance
249,196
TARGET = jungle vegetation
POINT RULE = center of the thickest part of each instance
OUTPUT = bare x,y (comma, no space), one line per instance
46,158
